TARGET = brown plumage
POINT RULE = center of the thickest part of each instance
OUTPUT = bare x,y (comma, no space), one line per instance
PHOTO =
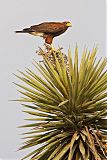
47,30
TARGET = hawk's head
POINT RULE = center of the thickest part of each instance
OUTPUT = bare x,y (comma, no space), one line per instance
68,24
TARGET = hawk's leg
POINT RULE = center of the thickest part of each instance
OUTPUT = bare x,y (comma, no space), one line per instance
48,47
53,48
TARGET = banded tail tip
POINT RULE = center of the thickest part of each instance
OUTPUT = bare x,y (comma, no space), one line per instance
18,31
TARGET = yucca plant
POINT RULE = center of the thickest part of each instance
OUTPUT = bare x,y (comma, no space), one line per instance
67,105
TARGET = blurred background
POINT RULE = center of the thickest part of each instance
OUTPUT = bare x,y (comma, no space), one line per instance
18,51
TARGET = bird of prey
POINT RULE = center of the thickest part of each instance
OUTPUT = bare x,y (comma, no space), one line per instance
47,30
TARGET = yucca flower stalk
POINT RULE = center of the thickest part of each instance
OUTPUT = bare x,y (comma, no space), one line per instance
67,106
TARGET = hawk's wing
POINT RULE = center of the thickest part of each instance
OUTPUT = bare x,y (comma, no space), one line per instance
48,27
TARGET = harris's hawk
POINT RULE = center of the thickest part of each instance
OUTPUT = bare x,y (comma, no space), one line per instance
47,30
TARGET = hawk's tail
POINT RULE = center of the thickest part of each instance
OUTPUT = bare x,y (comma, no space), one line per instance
26,30
18,31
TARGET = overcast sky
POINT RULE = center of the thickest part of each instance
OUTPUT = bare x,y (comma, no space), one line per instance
18,51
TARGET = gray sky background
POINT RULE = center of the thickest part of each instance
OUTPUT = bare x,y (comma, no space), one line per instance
18,51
